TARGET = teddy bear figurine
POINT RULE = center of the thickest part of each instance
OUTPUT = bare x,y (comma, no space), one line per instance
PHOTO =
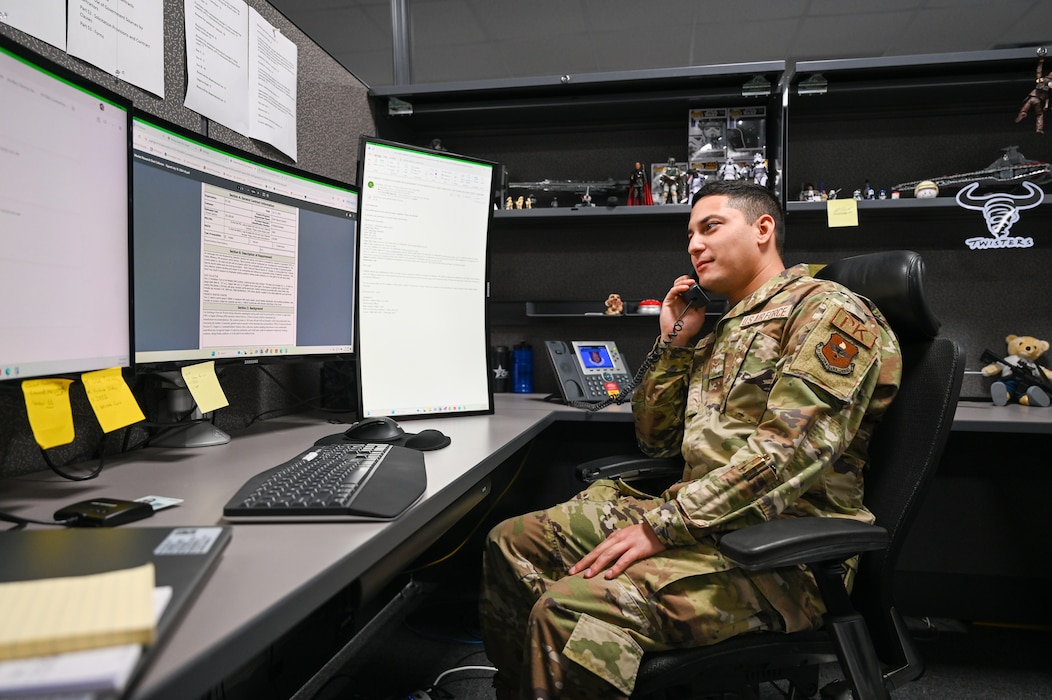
614,305
1012,385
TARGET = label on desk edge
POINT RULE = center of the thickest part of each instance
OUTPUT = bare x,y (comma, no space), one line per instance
188,540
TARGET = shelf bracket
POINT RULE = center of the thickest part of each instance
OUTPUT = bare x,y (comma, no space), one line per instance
757,86
398,108
814,84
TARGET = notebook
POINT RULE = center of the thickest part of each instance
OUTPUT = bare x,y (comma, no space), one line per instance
182,559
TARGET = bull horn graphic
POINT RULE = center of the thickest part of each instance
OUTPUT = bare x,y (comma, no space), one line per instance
1000,210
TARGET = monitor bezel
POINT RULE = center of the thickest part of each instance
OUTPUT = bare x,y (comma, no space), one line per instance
363,142
160,366
81,82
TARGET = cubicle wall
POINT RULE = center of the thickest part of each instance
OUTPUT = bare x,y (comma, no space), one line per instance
332,112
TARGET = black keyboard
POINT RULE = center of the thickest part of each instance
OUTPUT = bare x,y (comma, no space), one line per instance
344,481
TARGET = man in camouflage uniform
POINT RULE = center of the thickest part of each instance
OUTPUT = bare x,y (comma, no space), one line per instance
772,412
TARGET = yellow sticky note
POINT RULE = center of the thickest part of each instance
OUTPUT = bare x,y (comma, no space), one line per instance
111,399
50,415
203,384
842,212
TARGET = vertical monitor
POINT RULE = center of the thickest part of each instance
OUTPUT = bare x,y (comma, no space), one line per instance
237,259
64,221
422,285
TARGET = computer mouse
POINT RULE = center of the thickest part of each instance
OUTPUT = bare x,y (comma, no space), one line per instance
378,429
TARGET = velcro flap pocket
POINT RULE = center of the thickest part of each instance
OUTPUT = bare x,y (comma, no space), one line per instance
605,650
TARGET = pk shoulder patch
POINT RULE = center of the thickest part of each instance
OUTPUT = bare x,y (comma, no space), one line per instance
837,353
865,332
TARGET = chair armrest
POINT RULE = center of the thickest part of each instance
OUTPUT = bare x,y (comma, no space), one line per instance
794,541
629,467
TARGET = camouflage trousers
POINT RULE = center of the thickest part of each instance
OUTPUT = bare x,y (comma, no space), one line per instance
557,636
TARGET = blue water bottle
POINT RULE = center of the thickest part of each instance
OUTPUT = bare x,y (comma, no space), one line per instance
522,368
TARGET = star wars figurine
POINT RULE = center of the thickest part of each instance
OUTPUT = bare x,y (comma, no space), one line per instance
1038,97
730,170
639,187
695,179
671,182
759,170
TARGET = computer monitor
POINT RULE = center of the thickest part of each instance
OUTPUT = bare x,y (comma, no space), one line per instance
64,221
236,258
422,281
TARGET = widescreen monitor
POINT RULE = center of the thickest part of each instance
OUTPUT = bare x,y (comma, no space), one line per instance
64,218
236,258
422,281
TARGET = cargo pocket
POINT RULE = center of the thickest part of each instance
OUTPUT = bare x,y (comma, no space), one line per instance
605,650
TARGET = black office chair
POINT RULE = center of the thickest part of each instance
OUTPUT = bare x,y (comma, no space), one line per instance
862,631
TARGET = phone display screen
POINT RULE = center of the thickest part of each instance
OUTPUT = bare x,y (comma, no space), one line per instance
595,357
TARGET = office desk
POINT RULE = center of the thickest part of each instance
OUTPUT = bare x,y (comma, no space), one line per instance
273,575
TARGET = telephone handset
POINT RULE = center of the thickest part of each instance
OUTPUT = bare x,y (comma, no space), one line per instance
696,297
592,371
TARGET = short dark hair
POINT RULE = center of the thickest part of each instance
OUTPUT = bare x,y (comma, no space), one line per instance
750,199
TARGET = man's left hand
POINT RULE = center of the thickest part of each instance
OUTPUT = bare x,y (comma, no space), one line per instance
622,547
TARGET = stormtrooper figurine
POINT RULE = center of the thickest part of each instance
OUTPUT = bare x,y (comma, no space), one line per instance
759,170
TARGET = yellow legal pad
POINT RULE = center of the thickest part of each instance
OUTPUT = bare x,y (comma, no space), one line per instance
56,615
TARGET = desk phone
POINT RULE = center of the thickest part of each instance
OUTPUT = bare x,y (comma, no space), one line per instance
591,370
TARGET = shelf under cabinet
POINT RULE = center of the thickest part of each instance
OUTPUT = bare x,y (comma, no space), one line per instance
644,211
590,309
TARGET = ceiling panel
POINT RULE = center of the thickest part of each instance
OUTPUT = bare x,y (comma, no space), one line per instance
457,40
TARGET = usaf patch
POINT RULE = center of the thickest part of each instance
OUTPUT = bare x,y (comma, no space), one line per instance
837,354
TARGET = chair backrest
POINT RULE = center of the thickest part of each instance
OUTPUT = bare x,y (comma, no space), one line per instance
906,447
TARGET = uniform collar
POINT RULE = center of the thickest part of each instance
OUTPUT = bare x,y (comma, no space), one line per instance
774,285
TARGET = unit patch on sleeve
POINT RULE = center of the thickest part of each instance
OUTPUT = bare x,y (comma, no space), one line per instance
837,353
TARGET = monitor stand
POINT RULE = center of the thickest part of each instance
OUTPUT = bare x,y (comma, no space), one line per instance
198,431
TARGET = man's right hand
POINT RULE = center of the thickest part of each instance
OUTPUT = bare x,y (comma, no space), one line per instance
671,309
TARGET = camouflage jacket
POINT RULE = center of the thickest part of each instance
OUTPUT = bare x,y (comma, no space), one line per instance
772,411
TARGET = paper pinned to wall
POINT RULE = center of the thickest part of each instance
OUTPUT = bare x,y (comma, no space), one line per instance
241,71
125,38
272,85
216,61
44,19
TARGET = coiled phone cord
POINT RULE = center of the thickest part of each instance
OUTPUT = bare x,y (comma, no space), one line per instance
653,356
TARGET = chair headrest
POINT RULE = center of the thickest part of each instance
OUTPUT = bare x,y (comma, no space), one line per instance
894,281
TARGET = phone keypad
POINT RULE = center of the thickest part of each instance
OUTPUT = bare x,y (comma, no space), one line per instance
606,385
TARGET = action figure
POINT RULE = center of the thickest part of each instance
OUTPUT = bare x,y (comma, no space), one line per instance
671,182
639,187
1038,98
759,170
730,170
695,179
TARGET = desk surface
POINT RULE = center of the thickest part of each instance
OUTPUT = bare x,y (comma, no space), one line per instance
273,575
